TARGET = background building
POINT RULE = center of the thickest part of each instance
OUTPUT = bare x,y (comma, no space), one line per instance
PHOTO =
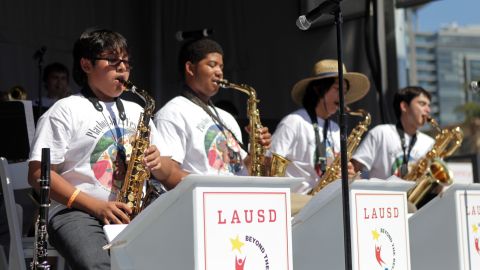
444,63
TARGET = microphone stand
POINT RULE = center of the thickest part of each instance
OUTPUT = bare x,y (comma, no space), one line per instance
333,7
39,57
343,145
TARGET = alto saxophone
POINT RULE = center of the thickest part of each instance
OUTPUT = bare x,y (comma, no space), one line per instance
39,260
430,171
137,174
333,171
257,167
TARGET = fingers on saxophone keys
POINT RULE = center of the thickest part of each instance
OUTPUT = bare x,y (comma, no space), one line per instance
152,157
154,165
265,137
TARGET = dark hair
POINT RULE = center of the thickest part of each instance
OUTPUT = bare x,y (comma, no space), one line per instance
407,94
54,67
91,43
196,50
314,92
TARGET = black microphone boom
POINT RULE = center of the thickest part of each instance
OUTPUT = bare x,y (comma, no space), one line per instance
328,6
184,35
39,53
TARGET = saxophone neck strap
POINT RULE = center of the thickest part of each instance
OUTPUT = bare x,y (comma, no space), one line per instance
189,94
321,147
88,93
406,151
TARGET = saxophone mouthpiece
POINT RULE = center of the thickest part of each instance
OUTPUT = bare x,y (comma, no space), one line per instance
429,119
126,83
222,83
432,122
120,79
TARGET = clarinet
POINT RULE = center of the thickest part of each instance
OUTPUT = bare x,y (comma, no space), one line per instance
40,245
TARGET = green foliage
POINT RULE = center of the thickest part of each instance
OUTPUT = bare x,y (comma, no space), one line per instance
470,109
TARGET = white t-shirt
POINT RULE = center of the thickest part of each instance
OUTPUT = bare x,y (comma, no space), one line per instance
382,154
197,142
294,138
86,145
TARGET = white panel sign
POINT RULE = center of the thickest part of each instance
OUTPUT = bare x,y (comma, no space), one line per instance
462,172
379,230
243,228
468,203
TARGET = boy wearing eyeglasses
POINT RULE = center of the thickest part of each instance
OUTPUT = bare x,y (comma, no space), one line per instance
90,136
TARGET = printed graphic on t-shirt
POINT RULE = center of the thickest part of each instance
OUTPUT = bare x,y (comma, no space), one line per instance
397,163
329,153
109,158
223,153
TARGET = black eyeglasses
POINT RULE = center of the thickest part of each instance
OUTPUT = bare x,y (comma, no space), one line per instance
115,62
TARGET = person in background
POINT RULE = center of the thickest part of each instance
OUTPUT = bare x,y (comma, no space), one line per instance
55,80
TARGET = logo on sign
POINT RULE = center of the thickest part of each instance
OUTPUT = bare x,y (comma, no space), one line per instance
251,246
475,235
383,249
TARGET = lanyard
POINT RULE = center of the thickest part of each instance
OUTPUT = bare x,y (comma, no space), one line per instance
190,95
320,161
88,93
406,152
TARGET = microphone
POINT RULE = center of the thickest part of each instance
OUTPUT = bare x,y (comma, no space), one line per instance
305,21
39,53
184,35
475,86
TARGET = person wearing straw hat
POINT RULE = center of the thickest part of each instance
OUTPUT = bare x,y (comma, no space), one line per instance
306,136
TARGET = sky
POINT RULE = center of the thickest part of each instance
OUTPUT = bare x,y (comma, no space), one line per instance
437,13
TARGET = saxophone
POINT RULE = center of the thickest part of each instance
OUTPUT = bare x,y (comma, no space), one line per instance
39,260
430,171
137,174
257,167
333,171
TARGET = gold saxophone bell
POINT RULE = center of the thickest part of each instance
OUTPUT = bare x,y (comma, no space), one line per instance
431,171
17,93
278,165
437,175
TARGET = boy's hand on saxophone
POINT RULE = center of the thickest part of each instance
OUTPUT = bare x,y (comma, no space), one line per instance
264,136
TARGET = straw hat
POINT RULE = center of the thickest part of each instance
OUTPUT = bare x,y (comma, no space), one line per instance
359,83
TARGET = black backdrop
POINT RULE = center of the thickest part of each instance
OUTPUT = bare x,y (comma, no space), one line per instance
263,47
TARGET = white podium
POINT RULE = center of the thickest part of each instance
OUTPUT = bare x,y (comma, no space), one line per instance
379,227
444,233
211,222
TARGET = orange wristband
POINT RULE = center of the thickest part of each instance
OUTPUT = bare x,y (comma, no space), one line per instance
72,198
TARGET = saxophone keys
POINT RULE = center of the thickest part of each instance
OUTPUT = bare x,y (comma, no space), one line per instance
130,205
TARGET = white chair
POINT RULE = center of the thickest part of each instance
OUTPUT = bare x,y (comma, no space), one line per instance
14,176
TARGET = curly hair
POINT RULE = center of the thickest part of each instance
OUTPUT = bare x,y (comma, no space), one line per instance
195,50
